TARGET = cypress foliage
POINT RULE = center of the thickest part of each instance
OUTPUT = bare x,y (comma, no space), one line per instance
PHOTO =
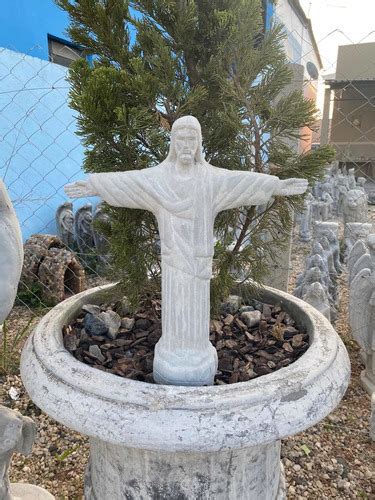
157,60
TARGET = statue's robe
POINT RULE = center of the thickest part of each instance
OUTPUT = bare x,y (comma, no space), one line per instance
185,208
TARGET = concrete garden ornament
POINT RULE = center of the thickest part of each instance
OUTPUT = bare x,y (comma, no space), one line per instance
171,440
17,433
185,193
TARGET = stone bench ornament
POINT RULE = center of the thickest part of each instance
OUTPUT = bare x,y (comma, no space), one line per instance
173,440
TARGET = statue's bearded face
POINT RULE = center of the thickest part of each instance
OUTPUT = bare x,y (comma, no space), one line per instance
186,145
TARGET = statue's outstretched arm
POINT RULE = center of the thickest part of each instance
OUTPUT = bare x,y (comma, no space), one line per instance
289,187
80,189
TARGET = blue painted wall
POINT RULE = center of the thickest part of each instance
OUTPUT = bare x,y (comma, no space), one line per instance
24,25
39,149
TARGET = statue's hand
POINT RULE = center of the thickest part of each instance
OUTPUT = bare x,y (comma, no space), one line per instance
80,189
290,187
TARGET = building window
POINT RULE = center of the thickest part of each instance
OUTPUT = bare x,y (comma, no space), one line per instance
63,52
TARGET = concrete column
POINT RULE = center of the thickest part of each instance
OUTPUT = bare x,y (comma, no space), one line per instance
279,266
324,131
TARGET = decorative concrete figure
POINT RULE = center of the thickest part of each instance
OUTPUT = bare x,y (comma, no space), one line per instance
354,207
316,210
342,188
185,193
352,183
11,253
326,207
101,242
65,223
83,229
353,232
317,249
17,433
364,262
358,249
335,247
306,218
314,275
317,260
323,240
316,296
362,314
361,181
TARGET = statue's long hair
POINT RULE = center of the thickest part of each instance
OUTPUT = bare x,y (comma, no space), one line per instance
185,122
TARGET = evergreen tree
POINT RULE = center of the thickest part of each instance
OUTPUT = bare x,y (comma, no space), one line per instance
157,60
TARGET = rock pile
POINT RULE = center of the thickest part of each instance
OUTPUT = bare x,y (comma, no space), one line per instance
251,341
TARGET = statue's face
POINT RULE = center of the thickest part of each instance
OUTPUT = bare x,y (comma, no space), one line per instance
186,145
68,221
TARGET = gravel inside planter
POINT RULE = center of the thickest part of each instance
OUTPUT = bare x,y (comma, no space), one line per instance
254,340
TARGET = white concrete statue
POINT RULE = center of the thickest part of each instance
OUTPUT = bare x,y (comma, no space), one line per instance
354,206
65,223
11,253
17,433
353,232
185,193
316,296
101,242
326,208
84,234
358,249
342,189
362,313
361,181
352,183
305,219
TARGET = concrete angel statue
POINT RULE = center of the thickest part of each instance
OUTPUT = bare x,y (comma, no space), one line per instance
185,193
362,312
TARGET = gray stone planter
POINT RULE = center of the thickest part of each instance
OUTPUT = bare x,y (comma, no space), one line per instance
168,442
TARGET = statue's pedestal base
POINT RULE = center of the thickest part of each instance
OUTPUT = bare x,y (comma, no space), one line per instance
23,491
152,441
117,472
185,367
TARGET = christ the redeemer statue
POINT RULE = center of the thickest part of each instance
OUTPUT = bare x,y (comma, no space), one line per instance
185,193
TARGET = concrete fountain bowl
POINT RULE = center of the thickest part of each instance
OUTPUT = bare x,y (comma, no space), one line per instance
152,441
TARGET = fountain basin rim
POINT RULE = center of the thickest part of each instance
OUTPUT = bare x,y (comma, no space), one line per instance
142,415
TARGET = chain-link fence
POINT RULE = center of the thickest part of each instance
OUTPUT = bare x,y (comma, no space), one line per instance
41,152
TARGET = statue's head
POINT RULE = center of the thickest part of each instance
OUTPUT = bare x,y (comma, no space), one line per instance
315,292
355,197
186,141
317,261
313,274
361,181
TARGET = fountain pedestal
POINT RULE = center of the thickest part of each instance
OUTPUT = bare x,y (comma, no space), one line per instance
160,441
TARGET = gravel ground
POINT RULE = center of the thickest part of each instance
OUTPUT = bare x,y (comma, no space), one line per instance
334,459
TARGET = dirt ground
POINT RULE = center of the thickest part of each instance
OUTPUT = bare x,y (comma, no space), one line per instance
334,459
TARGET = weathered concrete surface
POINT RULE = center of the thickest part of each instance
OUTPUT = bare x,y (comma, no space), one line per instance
119,472
21,491
11,253
182,426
